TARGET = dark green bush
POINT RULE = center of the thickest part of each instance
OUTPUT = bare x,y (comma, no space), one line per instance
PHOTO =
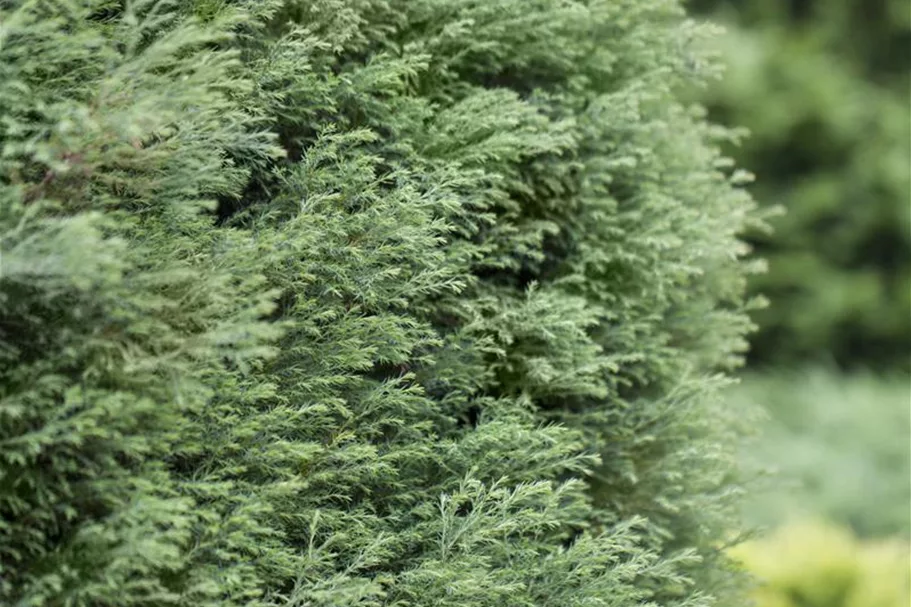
822,86
364,302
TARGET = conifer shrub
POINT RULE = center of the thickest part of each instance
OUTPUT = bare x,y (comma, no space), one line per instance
822,87
364,302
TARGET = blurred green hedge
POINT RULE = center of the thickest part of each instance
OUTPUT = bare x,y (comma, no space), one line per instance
813,564
822,87
838,446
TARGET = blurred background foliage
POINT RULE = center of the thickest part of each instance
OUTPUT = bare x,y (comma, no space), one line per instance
837,446
822,87
820,565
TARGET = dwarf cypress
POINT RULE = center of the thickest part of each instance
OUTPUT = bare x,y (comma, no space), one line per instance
365,302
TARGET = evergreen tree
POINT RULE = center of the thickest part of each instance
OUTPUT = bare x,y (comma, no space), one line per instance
364,302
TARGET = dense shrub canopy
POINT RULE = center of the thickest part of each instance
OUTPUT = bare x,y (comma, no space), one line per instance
822,86
363,302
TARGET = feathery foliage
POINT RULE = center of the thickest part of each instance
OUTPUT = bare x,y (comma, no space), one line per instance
364,302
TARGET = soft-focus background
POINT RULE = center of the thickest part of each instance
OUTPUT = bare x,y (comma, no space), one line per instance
823,88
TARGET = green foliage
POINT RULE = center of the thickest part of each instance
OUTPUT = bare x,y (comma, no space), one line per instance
840,447
364,302
812,564
822,87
